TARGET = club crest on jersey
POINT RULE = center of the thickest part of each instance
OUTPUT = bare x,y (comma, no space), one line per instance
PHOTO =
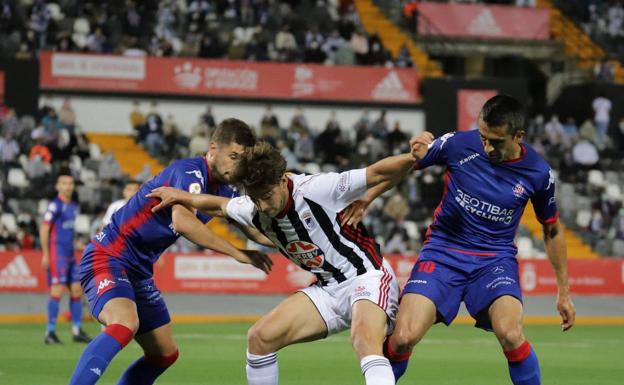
305,253
518,190
308,220
195,188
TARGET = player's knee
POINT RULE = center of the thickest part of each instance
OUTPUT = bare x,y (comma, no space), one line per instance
56,290
510,337
164,360
129,321
404,339
260,340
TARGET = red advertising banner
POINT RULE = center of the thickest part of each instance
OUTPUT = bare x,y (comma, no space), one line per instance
204,273
469,103
190,76
483,21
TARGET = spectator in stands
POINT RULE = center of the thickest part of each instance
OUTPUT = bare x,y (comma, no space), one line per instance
199,142
210,47
258,47
269,125
96,42
137,122
67,116
36,167
596,223
154,138
304,148
536,129
602,109
410,12
585,154
51,124
208,118
298,124
9,151
359,45
285,44
362,126
396,140
40,149
570,132
314,42
380,126
333,44
554,131
131,188
618,223
109,169
588,131
377,54
404,60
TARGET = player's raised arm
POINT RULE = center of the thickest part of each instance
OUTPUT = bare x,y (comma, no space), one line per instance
385,174
169,196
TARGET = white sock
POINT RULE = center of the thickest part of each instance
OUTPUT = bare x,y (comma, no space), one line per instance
377,370
262,370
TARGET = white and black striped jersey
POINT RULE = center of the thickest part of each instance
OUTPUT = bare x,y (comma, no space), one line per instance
308,230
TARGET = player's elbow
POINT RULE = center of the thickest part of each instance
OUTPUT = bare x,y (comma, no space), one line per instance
178,222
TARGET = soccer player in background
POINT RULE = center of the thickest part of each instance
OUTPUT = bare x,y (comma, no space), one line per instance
57,244
117,266
131,188
469,253
300,214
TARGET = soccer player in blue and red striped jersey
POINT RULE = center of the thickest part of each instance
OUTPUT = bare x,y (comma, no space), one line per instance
57,243
469,253
116,268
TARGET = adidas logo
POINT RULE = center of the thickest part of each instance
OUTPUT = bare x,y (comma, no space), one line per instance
484,24
17,274
187,76
104,284
390,88
96,371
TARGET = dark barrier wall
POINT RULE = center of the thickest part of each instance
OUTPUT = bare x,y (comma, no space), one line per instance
21,85
576,102
440,98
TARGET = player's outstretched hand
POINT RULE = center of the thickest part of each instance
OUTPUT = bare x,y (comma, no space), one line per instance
353,214
168,197
258,259
419,144
566,309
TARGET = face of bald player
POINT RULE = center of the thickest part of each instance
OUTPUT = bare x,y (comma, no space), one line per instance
224,159
271,201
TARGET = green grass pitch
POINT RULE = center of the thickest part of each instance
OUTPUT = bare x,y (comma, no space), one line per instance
215,354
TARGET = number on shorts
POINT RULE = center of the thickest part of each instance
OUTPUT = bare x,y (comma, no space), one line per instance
426,266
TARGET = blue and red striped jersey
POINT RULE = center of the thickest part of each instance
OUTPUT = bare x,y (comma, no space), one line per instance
483,201
138,236
61,216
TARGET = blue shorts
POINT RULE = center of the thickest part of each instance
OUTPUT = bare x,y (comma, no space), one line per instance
447,286
104,278
63,271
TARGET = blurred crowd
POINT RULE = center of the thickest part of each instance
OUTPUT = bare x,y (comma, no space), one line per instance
314,31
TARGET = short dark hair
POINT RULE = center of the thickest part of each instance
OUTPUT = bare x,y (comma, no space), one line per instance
261,167
234,130
502,110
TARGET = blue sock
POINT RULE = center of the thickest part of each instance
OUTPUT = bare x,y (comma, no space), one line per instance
523,365
398,361
99,353
75,306
53,310
145,371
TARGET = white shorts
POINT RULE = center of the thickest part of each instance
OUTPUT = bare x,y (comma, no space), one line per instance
335,302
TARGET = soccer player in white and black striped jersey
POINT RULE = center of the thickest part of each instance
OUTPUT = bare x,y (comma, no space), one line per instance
300,214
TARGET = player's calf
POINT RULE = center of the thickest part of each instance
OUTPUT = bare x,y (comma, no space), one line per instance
147,369
523,365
